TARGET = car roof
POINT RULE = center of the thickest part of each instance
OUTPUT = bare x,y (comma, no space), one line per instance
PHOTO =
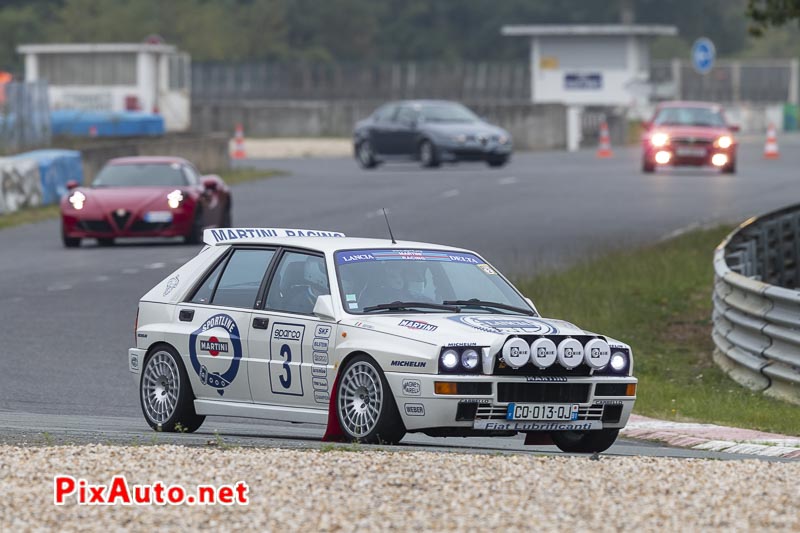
688,103
424,101
148,160
319,240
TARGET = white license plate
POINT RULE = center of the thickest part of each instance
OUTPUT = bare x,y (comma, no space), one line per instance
542,411
690,151
158,216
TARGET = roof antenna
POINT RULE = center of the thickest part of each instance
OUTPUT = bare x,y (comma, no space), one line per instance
388,226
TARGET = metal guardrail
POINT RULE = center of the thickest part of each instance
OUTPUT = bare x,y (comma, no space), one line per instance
757,304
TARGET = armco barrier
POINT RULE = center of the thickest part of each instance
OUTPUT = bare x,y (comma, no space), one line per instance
757,304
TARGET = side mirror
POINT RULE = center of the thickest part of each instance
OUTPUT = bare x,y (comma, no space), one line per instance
72,184
735,128
210,182
323,309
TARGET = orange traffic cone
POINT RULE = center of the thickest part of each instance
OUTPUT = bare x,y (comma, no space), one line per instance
238,143
771,146
604,148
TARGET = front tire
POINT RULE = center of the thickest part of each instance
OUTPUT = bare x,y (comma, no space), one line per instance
585,441
365,155
497,162
428,156
165,394
730,168
365,405
69,242
195,235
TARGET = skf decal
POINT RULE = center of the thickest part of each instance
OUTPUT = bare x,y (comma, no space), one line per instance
212,345
418,324
413,364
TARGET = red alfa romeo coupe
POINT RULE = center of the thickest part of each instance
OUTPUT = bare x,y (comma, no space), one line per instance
145,197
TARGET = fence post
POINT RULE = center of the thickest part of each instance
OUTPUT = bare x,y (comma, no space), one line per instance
794,81
676,78
736,81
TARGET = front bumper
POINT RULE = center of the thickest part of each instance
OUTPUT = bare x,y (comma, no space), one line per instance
135,361
105,225
473,151
603,407
689,155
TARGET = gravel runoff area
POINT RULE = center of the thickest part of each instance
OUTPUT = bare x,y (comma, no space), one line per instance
352,489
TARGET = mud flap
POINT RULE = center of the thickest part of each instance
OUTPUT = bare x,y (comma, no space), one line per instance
535,438
333,431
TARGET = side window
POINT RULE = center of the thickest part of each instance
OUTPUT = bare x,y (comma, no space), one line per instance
298,280
204,293
191,175
238,286
385,113
406,115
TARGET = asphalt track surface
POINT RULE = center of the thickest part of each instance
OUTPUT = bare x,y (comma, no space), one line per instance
67,316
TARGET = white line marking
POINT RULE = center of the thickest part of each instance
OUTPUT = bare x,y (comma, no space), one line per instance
59,287
101,278
155,266
450,194
511,180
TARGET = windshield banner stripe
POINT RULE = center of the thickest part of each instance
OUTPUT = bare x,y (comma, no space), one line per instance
367,256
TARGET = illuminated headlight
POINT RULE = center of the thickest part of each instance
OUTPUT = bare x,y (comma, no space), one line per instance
449,359
619,360
502,139
659,139
77,199
174,199
469,359
725,141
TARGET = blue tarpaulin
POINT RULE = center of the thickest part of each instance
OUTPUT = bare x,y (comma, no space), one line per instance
56,168
76,123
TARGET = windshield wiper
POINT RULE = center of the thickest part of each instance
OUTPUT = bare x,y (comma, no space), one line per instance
410,305
482,303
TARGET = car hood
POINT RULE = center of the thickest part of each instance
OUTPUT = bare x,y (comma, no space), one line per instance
698,132
131,198
463,328
466,128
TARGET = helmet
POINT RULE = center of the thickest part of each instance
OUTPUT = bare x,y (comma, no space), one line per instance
314,272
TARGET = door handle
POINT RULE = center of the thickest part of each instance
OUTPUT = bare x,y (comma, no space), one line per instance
260,323
186,315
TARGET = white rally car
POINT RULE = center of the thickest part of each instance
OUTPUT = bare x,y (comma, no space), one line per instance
373,339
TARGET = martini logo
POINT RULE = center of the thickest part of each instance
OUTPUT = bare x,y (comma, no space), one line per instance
214,346
418,324
211,344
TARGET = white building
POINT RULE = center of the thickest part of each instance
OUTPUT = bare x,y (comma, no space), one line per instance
152,77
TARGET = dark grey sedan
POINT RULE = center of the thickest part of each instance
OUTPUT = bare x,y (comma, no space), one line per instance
431,132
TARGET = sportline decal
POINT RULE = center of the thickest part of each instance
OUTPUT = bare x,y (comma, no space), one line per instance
210,344
507,325
215,236
119,492
366,256
418,324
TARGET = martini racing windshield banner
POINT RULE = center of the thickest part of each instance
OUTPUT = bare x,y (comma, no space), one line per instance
368,256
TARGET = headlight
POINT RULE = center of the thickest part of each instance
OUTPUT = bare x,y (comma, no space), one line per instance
449,359
77,199
503,139
174,199
659,139
469,359
619,360
460,138
725,141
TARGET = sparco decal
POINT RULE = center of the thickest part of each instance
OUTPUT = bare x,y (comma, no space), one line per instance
216,380
530,326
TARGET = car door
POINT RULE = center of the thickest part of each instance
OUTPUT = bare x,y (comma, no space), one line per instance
381,128
215,322
289,346
403,137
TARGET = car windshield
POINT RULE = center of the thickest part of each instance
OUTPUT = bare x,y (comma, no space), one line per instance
446,112
370,278
689,116
144,175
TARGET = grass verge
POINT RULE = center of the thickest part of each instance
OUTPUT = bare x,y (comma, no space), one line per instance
37,214
658,300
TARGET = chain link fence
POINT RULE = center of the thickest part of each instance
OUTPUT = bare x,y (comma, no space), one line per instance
24,116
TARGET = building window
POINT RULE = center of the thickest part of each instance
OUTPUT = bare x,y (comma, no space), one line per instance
90,69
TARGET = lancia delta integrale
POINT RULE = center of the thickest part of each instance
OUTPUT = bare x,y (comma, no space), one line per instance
372,339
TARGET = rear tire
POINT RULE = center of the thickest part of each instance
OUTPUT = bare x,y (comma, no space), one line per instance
365,156
365,405
428,156
165,393
585,441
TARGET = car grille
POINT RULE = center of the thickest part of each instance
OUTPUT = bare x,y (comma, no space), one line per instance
543,392
97,226
498,412
142,226
691,141
121,218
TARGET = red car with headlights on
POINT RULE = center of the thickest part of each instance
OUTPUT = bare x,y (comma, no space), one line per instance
689,133
145,197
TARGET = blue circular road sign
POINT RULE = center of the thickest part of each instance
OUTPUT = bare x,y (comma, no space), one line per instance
703,55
